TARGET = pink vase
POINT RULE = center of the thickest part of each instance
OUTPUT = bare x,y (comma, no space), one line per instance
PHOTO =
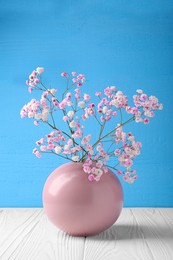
80,207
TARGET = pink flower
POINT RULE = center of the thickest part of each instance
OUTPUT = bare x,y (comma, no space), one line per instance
41,141
146,120
87,97
30,89
65,118
117,152
89,148
36,123
64,74
91,177
107,91
114,113
77,96
70,142
84,117
134,110
119,172
77,90
98,94
77,134
108,118
97,178
143,97
36,81
86,168
81,77
50,146
74,80
102,119
62,105
36,152
91,105
79,84
86,139
43,148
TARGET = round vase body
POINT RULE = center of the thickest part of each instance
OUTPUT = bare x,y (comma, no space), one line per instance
80,207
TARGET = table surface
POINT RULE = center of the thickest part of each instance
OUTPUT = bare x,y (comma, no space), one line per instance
138,234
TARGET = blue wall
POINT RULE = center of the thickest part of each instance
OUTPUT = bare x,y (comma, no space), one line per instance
123,43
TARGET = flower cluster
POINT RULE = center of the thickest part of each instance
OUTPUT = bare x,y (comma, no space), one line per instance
144,107
76,108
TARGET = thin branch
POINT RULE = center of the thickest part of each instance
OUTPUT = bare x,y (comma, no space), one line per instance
59,155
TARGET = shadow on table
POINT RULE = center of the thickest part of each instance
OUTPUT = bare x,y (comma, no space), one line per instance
127,232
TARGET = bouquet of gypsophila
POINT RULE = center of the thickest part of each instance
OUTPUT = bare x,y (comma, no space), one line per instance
77,108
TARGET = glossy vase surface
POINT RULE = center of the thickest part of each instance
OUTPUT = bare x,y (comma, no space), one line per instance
80,207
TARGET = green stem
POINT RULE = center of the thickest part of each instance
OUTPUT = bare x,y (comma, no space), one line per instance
111,167
100,138
128,121
110,147
59,155
102,128
121,116
97,120
67,89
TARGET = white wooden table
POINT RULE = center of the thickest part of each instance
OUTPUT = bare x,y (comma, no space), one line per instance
139,234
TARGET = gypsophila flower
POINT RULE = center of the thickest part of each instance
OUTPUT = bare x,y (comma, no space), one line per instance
75,106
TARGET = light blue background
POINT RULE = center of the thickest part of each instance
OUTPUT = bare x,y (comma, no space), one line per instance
123,43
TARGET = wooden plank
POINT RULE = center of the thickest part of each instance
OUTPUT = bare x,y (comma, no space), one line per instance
139,234
27,234
123,240
157,228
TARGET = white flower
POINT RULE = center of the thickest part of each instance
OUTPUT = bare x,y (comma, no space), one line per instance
98,148
81,104
58,149
98,172
52,91
160,106
38,116
119,93
113,88
139,91
104,109
45,114
39,70
72,124
30,114
34,106
75,158
90,151
69,103
70,114
114,102
66,147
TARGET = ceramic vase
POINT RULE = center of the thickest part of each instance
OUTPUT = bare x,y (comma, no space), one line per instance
80,207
